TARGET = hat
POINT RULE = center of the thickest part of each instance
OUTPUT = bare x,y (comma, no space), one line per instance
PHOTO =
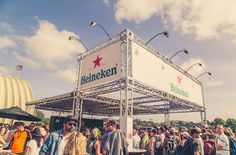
194,131
70,118
36,133
19,124
162,129
153,130
111,122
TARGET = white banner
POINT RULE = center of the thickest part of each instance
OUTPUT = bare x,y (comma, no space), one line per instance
153,71
101,67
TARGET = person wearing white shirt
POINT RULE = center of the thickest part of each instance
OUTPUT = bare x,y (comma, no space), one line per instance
222,141
136,138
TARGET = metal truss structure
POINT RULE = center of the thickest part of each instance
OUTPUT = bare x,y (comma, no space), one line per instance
132,97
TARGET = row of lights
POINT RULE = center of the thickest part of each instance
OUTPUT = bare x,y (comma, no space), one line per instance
165,33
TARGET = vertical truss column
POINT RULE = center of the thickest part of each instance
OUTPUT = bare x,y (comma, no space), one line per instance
203,118
167,114
77,110
203,112
126,94
167,118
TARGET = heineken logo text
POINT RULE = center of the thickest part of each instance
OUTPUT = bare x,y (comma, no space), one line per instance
177,90
103,73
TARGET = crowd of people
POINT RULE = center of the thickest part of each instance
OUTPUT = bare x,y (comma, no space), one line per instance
35,139
166,140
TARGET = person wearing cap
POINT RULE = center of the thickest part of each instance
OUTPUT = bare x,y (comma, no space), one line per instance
115,143
20,139
34,145
56,142
110,126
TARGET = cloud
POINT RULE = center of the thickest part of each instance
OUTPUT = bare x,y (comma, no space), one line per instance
196,69
48,49
199,18
26,61
6,42
106,2
136,10
214,83
50,45
5,27
67,74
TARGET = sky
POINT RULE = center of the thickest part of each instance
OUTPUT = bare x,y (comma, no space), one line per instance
35,35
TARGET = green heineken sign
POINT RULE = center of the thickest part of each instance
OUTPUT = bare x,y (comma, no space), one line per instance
174,88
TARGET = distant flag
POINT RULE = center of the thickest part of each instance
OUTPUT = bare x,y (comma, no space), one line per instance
19,67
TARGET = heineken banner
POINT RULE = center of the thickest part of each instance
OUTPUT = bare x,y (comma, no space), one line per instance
101,67
153,71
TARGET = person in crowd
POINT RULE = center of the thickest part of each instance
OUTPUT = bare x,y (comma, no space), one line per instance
107,133
86,133
136,139
46,127
20,139
31,126
160,140
144,139
2,140
199,140
232,142
222,141
9,137
234,131
34,145
171,143
43,132
55,143
209,144
183,137
95,147
76,144
152,142
190,147
115,143
7,132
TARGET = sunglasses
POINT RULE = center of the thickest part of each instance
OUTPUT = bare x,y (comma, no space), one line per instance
70,124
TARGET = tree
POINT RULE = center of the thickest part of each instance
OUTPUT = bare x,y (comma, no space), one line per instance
218,121
230,122
40,115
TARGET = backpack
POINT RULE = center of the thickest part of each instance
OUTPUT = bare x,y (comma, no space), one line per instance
171,146
232,146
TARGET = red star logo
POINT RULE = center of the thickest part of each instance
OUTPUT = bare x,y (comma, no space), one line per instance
97,61
179,79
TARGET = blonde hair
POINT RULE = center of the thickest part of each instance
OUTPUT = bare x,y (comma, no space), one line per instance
76,144
229,132
94,132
